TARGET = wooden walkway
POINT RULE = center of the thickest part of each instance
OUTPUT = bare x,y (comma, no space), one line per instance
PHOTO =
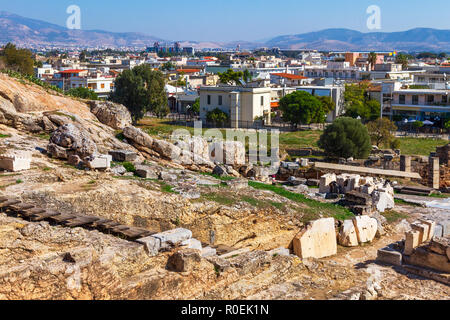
17,208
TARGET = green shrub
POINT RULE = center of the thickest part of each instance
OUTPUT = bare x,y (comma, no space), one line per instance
217,117
129,167
346,137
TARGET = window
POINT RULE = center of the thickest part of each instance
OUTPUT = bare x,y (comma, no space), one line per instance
103,86
415,100
444,99
209,99
402,99
220,100
430,99
262,100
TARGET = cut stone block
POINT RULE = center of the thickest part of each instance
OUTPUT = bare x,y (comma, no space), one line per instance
366,228
347,234
412,241
358,198
439,245
424,258
184,260
383,201
123,155
431,227
146,172
389,256
173,236
16,162
192,244
208,252
316,240
438,231
152,245
445,227
325,182
99,161
423,230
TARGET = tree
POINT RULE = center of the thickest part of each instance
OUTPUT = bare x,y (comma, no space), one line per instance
301,107
372,60
403,60
346,137
196,106
358,104
167,66
141,90
247,76
217,117
328,104
83,93
230,77
381,131
417,125
83,56
447,125
19,60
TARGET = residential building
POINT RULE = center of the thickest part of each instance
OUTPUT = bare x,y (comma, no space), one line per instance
243,104
336,93
288,79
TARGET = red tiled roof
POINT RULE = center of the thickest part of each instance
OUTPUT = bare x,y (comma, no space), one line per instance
289,76
72,71
188,70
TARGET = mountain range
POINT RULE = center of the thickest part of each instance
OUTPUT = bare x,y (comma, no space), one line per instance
33,33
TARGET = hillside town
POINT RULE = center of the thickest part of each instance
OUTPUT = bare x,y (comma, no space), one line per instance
172,172
407,90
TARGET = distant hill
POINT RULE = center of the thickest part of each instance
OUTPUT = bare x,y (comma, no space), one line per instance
420,39
29,32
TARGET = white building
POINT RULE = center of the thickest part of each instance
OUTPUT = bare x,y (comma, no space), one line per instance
243,104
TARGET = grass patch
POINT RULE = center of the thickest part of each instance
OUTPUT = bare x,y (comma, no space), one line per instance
393,216
405,203
221,178
254,202
19,181
277,205
224,200
5,135
73,118
46,169
316,207
420,146
43,136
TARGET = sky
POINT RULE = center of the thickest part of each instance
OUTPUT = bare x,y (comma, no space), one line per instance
233,20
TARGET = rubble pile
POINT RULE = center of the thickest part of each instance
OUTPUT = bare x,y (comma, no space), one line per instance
362,193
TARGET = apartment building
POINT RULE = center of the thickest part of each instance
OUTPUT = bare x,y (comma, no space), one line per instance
243,104
421,104
336,93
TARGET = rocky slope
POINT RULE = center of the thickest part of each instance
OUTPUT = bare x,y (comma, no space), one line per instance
39,260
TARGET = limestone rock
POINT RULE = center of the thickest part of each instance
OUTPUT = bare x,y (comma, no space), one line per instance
366,228
383,201
184,260
389,256
347,234
325,182
111,114
412,241
316,240
73,139
138,137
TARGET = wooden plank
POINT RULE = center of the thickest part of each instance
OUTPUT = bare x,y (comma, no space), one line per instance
63,217
135,233
9,203
109,225
80,221
101,222
3,199
368,171
44,215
